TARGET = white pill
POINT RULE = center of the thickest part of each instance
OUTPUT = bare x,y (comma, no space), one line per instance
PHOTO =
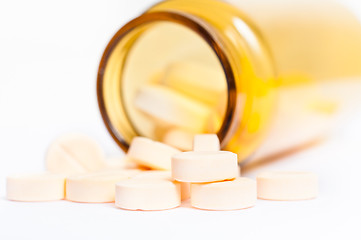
287,185
166,175
206,142
147,194
35,187
204,166
95,187
172,108
152,154
74,154
178,138
199,81
227,195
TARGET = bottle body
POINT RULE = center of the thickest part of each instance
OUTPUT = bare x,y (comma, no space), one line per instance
195,67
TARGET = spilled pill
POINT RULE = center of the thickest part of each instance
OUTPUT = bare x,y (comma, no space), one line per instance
208,176
152,154
147,194
74,154
226,195
35,187
283,185
167,175
95,187
204,166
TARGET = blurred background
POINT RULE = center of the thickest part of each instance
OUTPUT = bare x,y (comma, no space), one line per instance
49,57
50,52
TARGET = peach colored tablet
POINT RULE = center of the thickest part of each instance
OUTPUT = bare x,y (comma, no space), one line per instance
35,187
198,81
172,108
226,195
74,154
152,154
282,185
147,194
204,166
95,187
167,175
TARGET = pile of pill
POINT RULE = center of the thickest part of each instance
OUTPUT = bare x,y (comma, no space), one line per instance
154,176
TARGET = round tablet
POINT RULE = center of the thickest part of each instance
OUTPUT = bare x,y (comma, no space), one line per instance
147,194
152,154
204,166
74,154
197,80
227,195
166,175
95,187
206,142
35,187
287,185
172,108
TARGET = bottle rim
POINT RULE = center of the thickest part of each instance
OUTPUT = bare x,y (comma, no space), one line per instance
198,26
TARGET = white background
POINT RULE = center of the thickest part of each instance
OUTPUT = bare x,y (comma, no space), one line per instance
49,54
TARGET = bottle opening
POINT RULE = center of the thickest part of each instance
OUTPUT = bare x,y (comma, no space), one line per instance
165,77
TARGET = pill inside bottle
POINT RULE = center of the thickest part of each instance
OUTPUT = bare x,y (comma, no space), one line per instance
171,80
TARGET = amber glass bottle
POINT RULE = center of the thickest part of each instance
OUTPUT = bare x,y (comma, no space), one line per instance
253,83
